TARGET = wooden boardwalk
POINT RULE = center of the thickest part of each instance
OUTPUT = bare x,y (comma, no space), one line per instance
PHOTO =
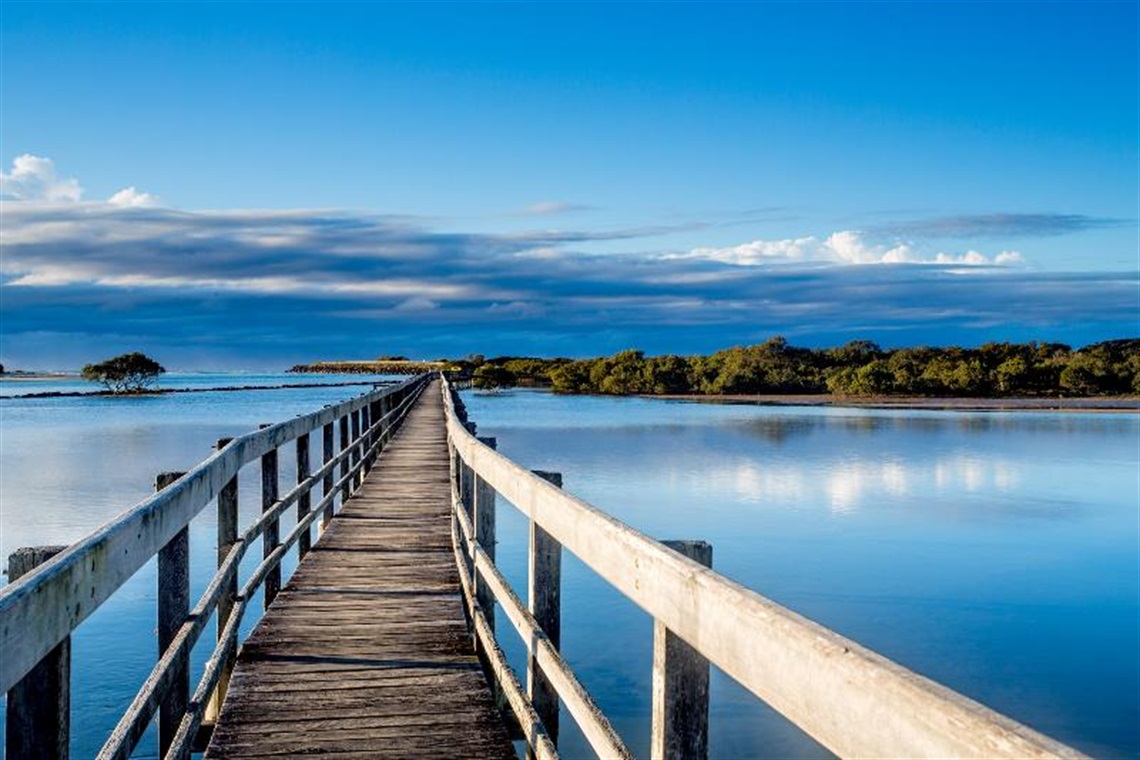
366,651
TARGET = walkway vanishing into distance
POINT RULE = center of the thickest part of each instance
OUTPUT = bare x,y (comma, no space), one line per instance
383,642
367,651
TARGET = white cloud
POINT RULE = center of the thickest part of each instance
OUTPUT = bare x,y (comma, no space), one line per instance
33,178
129,197
760,251
550,208
843,247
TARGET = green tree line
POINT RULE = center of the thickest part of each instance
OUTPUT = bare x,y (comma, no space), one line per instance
858,368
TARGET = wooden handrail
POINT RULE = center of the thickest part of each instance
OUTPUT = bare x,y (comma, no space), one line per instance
594,725
849,698
42,608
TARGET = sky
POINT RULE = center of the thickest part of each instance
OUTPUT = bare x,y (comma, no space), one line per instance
252,185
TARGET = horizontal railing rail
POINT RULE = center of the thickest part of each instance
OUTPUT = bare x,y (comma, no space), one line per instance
41,609
849,698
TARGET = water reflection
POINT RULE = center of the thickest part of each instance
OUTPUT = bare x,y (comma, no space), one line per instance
994,552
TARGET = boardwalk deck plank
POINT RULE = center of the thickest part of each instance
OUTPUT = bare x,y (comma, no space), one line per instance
366,653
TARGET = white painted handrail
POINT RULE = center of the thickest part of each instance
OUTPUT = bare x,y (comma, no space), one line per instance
849,698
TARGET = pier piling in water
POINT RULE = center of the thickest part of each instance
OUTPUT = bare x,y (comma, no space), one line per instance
39,706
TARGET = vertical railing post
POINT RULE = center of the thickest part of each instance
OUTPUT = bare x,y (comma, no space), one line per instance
327,454
544,598
374,439
484,509
304,501
173,609
39,705
385,407
467,480
271,539
345,489
227,537
680,724
366,441
354,417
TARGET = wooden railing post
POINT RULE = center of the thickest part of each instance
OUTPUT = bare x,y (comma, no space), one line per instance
467,480
271,539
173,609
304,501
227,537
374,416
544,597
39,705
328,440
346,489
484,509
354,418
385,407
366,442
680,684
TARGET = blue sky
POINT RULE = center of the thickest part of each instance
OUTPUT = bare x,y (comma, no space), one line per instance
250,185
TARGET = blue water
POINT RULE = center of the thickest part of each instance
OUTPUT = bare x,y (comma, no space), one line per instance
997,553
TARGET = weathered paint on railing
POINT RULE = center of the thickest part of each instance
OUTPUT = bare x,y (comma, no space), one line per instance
849,698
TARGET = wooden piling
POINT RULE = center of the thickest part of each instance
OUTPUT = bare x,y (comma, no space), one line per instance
304,501
327,453
271,539
227,536
544,598
39,705
484,510
680,723
173,609
366,442
354,418
346,488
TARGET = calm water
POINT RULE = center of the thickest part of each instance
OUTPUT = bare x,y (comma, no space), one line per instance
69,465
996,553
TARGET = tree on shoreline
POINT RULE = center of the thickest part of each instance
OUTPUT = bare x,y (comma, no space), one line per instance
128,373
859,368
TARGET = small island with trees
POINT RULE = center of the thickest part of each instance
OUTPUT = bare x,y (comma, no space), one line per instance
128,373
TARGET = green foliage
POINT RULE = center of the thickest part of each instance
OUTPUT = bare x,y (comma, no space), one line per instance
128,373
859,368
490,376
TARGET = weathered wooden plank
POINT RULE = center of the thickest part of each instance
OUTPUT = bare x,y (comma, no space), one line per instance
366,649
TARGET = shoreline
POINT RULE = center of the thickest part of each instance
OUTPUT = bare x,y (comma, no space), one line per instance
26,376
1087,404
167,391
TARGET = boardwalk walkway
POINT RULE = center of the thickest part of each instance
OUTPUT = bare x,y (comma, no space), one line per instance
366,651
